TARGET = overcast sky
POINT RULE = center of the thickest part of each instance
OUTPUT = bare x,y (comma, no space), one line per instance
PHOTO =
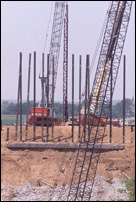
24,28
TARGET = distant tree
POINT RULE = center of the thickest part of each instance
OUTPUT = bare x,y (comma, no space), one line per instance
11,109
117,110
4,105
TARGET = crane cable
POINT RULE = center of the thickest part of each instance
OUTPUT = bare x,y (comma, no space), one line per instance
47,34
46,41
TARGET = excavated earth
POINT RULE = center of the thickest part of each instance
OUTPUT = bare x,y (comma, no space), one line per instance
55,168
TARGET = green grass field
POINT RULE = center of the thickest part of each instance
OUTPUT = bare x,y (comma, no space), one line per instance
11,119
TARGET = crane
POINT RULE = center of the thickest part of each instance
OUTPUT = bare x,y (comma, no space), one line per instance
58,19
99,100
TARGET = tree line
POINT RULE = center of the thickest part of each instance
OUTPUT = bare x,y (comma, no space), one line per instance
117,110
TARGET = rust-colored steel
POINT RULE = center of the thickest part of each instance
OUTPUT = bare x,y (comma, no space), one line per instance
65,68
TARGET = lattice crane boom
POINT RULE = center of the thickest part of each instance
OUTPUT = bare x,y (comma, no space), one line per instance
55,42
99,100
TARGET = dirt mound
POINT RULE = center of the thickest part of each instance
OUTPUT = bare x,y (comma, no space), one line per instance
21,167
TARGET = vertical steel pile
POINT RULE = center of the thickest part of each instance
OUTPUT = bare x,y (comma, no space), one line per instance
42,95
18,96
111,101
72,97
88,93
124,78
7,134
29,69
47,96
86,87
21,97
34,90
80,67
53,99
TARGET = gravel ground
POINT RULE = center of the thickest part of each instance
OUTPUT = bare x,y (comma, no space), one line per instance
103,190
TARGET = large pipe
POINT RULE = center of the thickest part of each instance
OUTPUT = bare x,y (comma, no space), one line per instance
20,96
88,93
42,95
72,96
7,134
29,69
85,102
124,70
47,96
111,102
53,99
80,66
34,89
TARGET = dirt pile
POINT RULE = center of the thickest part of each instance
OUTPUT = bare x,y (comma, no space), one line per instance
20,167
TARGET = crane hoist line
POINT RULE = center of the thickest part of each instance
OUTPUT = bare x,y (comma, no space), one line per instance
54,51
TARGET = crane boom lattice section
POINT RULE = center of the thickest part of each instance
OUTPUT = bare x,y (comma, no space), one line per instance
55,42
99,100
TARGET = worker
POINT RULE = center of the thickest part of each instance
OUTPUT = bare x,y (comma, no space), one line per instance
38,181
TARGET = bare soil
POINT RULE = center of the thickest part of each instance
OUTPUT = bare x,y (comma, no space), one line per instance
52,166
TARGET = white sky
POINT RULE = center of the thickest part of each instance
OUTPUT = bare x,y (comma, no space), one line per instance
23,29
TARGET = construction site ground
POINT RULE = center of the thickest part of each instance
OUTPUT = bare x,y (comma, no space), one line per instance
53,166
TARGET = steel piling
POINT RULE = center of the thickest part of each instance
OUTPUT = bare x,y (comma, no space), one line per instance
124,72
72,96
86,79
47,96
80,63
53,99
42,95
88,93
20,96
34,90
111,103
29,69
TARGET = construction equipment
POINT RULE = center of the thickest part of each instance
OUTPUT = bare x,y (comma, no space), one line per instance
47,81
102,120
95,121
99,101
